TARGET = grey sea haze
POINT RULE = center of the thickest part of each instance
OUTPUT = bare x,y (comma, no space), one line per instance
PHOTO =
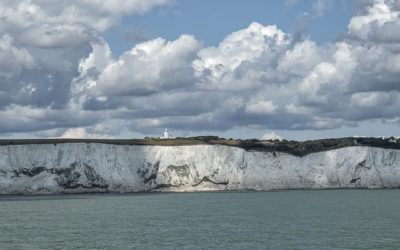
327,219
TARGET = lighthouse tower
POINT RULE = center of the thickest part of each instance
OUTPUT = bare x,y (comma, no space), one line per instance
166,135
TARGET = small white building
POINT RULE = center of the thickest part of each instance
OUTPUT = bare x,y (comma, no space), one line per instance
167,135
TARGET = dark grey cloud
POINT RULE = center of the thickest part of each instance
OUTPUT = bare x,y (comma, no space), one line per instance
28,119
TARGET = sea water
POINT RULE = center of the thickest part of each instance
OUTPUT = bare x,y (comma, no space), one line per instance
328,219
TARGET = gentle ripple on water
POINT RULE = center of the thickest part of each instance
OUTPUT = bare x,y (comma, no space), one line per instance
330,219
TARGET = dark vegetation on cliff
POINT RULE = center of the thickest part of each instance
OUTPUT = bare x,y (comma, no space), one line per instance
298,148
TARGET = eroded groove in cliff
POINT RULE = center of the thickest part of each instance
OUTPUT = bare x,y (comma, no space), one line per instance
206,179
355,180
159,186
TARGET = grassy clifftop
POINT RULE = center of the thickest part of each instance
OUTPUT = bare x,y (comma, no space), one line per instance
299,148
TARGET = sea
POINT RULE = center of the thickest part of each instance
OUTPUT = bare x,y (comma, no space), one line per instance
324,219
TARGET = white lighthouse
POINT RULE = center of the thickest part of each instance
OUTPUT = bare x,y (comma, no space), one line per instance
166,135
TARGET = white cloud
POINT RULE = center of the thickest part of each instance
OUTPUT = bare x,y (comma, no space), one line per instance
30,27
98,59
97,14
302,58
59,74
219,67
258,77
150,67
12,59
381,23
43,42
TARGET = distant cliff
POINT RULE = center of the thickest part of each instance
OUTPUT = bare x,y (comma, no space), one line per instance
77,167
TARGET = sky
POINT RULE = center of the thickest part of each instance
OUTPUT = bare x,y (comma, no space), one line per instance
301,69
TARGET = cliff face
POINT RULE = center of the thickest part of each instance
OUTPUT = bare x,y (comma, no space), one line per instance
95,167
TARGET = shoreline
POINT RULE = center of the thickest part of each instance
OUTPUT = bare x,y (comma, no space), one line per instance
150,192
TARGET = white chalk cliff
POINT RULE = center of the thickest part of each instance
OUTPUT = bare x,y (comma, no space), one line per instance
96,167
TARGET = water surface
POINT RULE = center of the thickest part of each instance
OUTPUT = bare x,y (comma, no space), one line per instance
331,219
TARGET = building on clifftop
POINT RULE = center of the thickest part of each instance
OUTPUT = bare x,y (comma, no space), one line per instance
167,135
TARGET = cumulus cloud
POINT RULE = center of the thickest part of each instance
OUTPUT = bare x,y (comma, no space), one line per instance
42,46
97,14
41,26
235,63
149,67
259,77
380,23
13,59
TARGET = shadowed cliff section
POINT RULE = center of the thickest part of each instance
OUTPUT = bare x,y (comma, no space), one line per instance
297,148
67,177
